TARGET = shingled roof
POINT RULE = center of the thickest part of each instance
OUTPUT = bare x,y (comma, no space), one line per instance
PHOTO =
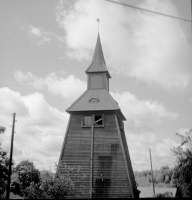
98,61
105,101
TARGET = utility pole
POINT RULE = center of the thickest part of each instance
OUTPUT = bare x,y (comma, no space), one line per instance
10,159
152,172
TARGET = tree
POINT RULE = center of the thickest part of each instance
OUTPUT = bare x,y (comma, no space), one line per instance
59,187
49,188
183,172
160,177
24,174
4,164
4,167
2,129
164,195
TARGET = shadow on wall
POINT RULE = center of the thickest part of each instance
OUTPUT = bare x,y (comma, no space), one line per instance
103,182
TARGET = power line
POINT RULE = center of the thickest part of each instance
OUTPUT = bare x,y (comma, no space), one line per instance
154,12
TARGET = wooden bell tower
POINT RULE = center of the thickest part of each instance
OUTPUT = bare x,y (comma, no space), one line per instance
95,138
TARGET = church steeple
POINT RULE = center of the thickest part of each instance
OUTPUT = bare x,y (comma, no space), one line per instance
98,62
98,75
95,139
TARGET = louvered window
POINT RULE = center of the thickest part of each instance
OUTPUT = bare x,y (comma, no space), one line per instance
87,121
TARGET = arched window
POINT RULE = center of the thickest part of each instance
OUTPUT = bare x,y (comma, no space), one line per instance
94,100
96,82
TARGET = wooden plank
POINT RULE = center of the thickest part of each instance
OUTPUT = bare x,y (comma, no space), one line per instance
115,195
83,163
122,180
91,167
122,146
75,152
75,148
78,145
65,138
80,163
129,159
108,138
83,152
80,133
77,161
82,138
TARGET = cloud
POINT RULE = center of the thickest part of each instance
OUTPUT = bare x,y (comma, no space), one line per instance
39,35
151,48
65,87
143,117
139,145
142,114
35,31
40,128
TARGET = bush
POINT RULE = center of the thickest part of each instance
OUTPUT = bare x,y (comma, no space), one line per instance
182,173
58,187
164,195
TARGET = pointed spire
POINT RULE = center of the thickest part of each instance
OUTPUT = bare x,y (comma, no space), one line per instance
98,54
98,61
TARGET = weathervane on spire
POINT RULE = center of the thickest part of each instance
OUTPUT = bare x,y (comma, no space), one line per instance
98,20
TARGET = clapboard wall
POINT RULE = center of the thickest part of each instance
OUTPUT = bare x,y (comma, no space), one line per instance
76,151
108,173
109,170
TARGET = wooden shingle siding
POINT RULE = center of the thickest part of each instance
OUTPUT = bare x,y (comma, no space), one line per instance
128,158
77,150
109,174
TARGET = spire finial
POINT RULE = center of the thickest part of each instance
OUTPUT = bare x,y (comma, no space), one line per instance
98,20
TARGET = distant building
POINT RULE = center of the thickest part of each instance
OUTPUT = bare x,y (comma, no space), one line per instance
95,138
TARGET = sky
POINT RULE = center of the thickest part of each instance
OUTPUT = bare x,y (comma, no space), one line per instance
45,48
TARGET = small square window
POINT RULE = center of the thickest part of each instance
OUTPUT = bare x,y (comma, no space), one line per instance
98,120
87,121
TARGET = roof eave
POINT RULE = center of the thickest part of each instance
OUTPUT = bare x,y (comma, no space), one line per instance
107,72
121,115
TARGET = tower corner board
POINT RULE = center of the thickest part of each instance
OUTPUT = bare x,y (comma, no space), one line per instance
95,142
